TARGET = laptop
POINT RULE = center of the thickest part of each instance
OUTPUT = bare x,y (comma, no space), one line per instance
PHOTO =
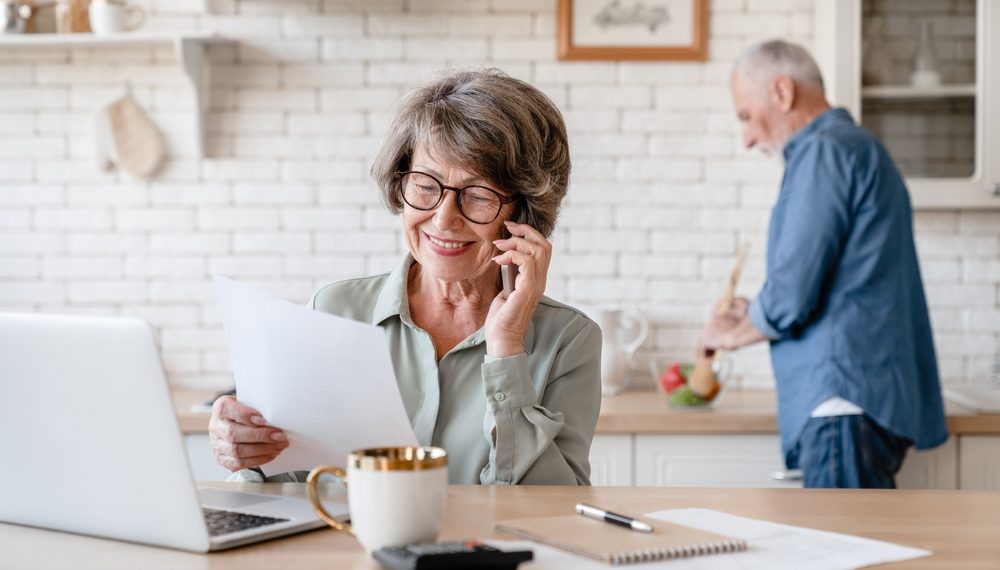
93,446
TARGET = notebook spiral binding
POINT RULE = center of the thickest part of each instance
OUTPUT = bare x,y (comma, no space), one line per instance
653,554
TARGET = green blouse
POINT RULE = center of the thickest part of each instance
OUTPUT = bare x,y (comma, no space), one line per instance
543,403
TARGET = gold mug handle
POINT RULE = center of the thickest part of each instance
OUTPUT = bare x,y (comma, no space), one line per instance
317,505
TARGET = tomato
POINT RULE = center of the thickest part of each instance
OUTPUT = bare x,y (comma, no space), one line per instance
672,379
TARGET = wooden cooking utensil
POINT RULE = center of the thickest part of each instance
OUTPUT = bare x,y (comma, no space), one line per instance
702,380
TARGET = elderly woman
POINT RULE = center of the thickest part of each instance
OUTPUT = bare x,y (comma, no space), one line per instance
508,384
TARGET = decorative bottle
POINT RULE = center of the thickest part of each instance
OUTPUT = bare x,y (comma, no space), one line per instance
925,72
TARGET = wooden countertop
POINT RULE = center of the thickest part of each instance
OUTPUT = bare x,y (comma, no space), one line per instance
959,527
646,411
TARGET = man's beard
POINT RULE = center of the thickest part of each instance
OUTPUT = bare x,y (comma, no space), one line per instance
774,148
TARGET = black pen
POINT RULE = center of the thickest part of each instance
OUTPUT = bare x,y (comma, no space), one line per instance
613,518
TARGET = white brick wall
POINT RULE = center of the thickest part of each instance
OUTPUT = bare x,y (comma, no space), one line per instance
661,192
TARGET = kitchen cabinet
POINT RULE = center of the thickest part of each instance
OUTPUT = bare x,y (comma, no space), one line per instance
942,125
189,48
980,462
709,461
931,469
741,460
611,460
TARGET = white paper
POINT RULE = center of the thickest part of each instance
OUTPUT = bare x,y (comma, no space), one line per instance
771,546
327,381
778,546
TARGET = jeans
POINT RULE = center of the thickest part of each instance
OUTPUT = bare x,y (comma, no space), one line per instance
850,452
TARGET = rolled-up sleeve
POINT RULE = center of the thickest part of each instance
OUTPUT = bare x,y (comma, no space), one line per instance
808,227
543,439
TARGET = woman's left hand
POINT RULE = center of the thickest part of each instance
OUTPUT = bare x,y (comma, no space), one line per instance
509,317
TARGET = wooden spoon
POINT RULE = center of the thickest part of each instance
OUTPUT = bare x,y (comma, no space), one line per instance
703,381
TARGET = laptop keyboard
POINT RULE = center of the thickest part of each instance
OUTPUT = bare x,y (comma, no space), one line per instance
225,522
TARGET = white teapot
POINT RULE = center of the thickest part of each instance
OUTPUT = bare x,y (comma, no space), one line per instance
618,349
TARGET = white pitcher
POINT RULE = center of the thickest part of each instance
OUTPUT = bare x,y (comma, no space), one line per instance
618,350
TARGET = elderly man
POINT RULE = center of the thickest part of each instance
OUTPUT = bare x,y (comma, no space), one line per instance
842,305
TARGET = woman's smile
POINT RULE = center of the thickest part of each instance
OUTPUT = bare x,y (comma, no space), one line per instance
448,247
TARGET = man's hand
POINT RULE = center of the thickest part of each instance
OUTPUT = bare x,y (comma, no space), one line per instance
730,328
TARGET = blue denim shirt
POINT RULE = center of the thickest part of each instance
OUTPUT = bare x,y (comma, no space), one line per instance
843,303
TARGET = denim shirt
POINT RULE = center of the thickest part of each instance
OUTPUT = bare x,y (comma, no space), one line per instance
843,302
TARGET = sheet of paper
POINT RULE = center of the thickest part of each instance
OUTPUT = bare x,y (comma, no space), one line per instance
772,546
778,546
327,381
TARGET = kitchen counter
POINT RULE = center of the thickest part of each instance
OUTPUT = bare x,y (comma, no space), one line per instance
646,411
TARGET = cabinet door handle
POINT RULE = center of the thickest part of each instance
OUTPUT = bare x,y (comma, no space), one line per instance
788,475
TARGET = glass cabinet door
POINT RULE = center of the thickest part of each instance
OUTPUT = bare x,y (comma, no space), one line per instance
917,74
918,84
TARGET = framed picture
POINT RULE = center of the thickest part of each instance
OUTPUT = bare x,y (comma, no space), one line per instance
633,29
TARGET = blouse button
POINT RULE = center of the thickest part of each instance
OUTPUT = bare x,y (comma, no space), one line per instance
499,396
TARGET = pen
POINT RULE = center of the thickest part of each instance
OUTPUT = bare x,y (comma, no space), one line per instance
613,518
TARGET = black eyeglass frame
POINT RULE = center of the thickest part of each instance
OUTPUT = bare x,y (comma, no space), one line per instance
504,200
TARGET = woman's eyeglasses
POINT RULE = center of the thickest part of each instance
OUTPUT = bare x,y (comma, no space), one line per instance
478,204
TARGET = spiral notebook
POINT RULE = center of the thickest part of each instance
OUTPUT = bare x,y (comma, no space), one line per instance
616,545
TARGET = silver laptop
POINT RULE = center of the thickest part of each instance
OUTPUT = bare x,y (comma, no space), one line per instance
93,445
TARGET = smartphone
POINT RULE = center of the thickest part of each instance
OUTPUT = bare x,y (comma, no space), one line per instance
508,274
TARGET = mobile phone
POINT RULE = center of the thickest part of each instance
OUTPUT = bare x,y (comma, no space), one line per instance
508,275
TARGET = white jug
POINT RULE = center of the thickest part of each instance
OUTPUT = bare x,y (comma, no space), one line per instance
618,350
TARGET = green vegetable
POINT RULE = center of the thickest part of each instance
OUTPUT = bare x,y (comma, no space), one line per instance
686,369
685,396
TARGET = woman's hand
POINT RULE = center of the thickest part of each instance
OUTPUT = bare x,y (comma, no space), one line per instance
240,437
509,317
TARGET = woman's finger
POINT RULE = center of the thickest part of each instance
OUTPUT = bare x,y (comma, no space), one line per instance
228,407
231,431
524,246
247,449
237,463
527,232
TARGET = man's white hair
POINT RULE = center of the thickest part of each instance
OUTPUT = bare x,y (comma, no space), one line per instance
760,62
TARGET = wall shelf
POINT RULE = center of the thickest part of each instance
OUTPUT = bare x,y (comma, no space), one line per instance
912,92
188,46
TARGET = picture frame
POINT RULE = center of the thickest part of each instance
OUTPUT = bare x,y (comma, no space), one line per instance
667,30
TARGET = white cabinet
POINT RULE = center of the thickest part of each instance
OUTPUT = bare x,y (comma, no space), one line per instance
709,461
980,462
943,131
738,460
611,460
932,469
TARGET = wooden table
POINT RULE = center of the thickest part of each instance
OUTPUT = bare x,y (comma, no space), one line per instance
962,528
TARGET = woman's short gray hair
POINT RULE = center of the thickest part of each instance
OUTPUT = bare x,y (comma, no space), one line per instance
777,57
489,123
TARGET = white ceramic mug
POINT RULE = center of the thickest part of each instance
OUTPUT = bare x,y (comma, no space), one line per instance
110,17
396,495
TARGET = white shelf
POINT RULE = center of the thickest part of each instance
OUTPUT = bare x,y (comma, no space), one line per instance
912,92
189,47
88,39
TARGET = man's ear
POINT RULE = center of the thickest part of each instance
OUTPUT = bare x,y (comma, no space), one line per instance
783,92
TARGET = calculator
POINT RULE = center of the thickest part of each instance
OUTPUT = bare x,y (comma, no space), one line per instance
457,554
